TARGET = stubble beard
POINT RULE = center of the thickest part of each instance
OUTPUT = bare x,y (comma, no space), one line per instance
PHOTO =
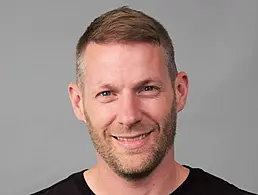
155,154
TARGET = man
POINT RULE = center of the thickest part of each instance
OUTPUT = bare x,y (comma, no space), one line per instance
128,92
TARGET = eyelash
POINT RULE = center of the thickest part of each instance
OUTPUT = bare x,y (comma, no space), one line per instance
101,93
151,88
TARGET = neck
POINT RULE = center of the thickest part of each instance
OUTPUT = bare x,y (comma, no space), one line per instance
168,176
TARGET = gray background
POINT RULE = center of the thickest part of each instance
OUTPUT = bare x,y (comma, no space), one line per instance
42,142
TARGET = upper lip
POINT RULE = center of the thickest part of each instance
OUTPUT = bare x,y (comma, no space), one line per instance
131,136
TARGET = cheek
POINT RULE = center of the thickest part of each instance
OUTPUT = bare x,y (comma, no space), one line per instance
101,115
157,109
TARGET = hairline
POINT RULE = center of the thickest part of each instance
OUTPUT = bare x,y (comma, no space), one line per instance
80,75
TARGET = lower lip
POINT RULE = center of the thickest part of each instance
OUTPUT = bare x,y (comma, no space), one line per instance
133,144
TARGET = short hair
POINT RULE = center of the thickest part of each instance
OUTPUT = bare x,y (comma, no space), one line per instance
125,25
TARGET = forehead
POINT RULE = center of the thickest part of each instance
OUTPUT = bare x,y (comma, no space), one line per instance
116,62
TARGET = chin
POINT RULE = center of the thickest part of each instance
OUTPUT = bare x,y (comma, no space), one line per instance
134,174
136,167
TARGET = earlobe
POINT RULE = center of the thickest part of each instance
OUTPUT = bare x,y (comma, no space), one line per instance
181,89
76,100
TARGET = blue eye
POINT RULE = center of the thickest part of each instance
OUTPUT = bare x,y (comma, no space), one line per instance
106,96
105,93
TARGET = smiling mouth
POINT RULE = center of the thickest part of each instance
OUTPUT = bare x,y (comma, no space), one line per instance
139,137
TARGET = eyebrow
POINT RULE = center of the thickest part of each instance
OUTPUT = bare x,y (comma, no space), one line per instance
101,86
148,81
137,85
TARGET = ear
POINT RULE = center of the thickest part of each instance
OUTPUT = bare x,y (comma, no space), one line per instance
76,100
181,90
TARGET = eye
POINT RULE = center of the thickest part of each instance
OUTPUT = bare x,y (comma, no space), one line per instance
105,93
148,88
149,91
106,96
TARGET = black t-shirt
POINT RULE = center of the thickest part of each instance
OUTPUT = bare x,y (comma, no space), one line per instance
198,182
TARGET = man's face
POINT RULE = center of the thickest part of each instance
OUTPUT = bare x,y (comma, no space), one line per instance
129,106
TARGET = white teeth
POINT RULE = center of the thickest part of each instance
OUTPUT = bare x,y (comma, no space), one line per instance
132,139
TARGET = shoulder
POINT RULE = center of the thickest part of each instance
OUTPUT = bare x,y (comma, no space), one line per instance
63,187
205,182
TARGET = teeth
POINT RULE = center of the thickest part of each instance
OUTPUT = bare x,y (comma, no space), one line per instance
132,139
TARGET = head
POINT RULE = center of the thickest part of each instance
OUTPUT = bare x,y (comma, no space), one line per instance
128,90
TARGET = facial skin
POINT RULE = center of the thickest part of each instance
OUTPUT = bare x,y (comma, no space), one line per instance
128,92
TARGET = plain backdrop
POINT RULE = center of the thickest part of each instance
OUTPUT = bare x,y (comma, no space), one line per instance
216,43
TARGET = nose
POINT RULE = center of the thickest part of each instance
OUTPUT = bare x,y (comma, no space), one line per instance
129,112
